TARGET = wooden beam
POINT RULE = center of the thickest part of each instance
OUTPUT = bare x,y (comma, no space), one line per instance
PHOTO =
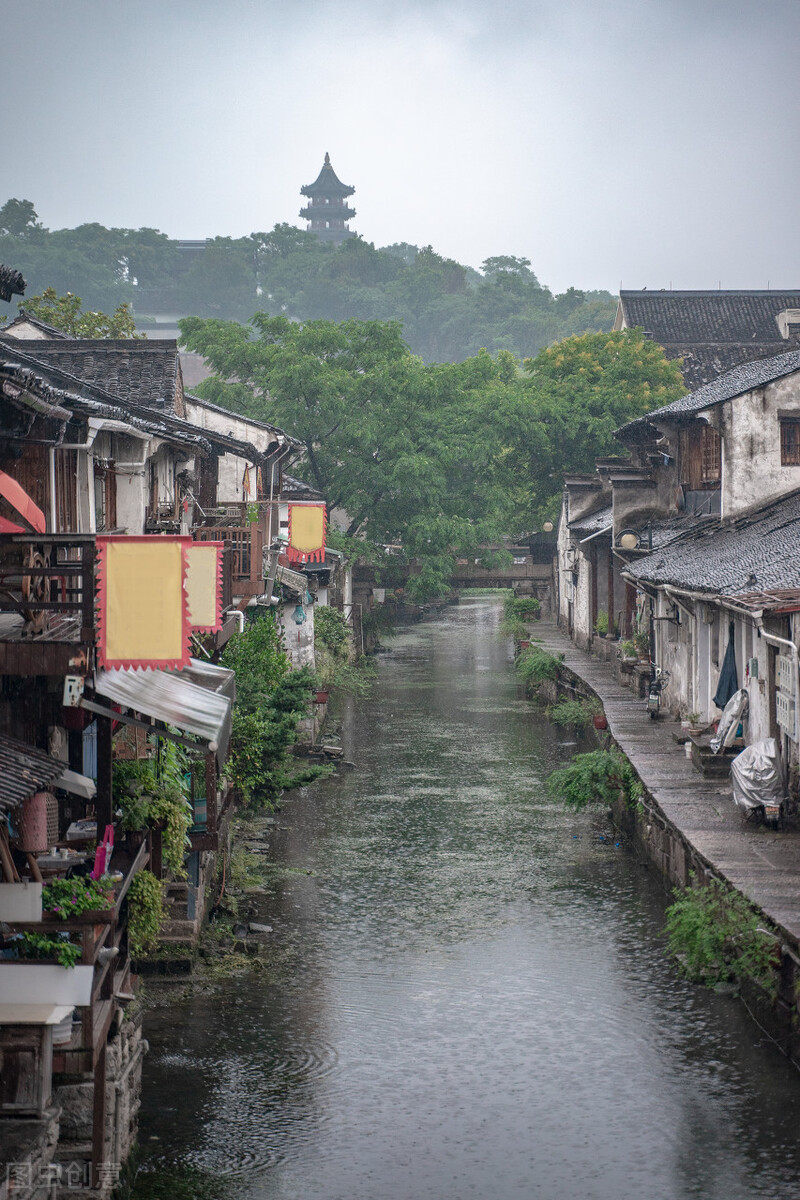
99,1115
103,802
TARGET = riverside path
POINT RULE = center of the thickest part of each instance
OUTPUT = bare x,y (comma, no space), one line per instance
759,862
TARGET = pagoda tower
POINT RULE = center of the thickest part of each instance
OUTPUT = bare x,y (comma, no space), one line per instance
327,211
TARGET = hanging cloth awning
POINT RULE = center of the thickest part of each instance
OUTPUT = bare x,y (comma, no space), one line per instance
196,700
21,502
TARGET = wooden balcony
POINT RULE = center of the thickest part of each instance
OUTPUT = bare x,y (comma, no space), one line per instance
46,603
244,546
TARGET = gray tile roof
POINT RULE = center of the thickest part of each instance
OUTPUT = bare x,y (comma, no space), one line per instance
11,283
593,523
757,551
25,318
733,383
691,317
135,372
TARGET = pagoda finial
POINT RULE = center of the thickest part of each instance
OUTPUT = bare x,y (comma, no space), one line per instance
327,158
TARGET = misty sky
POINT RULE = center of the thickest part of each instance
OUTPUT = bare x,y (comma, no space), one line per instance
648,142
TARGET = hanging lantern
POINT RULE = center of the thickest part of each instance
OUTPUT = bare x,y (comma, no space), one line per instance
299,615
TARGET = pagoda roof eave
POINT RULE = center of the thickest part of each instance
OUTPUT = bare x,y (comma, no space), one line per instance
327,183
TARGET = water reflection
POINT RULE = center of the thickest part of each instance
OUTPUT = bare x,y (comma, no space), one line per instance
473,998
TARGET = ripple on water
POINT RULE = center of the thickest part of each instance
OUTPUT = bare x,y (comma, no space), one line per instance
476,1002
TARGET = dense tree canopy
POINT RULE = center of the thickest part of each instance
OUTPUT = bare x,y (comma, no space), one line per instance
572,397
441,458
412,453
448,311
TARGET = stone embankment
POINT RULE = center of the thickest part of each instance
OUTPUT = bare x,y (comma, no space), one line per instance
688,825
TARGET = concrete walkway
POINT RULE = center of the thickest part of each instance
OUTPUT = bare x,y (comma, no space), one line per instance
760,862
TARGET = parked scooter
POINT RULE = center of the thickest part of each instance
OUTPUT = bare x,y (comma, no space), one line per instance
658,681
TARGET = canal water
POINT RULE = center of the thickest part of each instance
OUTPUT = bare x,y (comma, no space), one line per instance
469,995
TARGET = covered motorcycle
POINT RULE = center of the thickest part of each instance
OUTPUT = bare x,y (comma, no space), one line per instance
757,778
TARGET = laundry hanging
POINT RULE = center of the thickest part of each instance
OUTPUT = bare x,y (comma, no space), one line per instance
728,683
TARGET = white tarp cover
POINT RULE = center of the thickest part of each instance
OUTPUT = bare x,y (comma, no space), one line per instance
757,776
171,696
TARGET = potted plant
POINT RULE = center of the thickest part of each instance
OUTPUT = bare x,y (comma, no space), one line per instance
44,970
641,641
70,899
627,650
695,722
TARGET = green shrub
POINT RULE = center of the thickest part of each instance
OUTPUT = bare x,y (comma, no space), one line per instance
594,778
536,665
573,712
145,913
713,932
270,700
32,945
523,608
153,791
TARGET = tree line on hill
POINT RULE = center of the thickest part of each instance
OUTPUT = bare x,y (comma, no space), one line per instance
448,312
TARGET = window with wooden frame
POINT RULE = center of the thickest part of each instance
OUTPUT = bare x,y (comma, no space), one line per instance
711,455
790,442
105,497
700,457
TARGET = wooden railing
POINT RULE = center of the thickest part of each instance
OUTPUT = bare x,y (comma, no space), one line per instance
244,545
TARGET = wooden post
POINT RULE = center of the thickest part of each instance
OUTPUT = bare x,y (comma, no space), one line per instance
103,803
75,750
593,566
87,592
99,1116
610,632
630,607
211,792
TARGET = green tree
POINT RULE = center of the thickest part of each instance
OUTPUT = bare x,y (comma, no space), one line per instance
18,218
412,453
65,313
574,394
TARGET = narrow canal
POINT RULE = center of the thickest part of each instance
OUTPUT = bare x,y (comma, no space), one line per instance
469,996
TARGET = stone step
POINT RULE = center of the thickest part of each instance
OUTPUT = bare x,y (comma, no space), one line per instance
176,889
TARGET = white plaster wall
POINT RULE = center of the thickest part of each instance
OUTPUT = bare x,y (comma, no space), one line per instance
751,458
131,501
674,648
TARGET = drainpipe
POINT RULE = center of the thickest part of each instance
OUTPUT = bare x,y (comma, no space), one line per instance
237,612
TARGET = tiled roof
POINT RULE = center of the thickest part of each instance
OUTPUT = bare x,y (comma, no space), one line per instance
135,372
24,770
295,489
595,522
11,283
93,401
226,412
25,319
733,383
691,317
757,551
327,183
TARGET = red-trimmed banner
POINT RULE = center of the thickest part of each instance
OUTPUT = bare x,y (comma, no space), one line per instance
307,528
142,609
204,586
